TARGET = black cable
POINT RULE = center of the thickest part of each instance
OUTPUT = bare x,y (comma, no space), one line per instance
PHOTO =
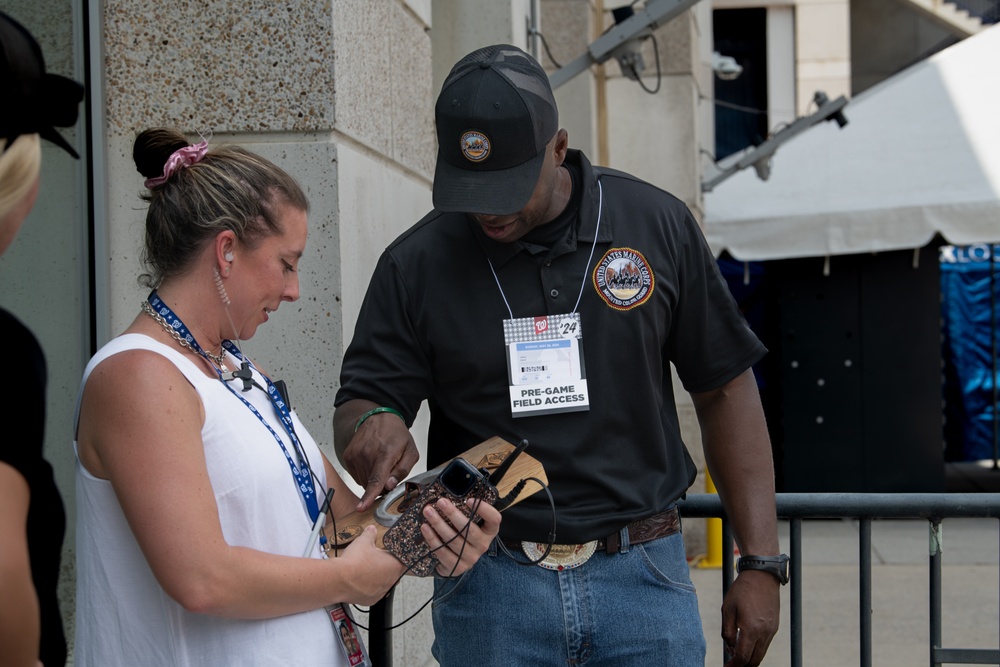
505,502
334,547
464,532
735,107
638,76
297,445
545,45
552,532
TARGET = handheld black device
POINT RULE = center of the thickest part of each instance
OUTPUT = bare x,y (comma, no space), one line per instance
459,478
458,481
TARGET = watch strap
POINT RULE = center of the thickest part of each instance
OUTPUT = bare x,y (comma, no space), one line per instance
775,565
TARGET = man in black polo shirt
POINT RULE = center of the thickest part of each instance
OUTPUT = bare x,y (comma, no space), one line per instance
545,299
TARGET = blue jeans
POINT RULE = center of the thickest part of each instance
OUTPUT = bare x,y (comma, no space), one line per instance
634,608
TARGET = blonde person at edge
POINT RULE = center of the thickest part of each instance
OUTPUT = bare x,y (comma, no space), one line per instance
19,609
191,522
32,517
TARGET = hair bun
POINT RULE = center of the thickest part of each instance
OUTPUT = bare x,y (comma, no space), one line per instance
153,147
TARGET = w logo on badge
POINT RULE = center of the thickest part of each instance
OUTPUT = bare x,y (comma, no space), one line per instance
541,325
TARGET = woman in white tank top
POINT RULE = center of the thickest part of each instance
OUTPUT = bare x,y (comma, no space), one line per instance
197,486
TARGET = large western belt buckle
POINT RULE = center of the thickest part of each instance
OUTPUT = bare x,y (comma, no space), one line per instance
561,556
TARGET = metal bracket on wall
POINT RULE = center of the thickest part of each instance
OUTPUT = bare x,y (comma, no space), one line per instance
653,15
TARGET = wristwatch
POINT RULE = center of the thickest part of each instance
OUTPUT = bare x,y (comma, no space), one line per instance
776,565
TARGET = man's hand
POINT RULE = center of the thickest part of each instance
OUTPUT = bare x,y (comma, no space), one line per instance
379,455
738,455
750,617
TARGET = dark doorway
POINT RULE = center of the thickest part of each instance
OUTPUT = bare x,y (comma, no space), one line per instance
741,103
852,387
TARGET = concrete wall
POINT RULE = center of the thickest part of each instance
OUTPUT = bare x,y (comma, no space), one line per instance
822,50
462,26
568,27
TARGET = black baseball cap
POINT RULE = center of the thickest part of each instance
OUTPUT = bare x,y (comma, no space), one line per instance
33,101
494,117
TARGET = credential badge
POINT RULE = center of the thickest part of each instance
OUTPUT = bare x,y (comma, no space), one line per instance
623,278
475,146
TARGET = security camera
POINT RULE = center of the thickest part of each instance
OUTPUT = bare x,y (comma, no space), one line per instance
725,67
820,99
763,167
628,53
629,57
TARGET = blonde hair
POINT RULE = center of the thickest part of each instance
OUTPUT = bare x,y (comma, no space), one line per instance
19,168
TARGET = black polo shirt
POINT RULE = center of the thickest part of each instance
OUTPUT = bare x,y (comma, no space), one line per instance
431,328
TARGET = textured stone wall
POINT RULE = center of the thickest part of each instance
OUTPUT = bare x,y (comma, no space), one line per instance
251,66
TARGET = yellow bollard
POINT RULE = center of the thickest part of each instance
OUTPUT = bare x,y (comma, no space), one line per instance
713,535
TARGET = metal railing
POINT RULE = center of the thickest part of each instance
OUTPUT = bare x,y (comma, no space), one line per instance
798,506
864,507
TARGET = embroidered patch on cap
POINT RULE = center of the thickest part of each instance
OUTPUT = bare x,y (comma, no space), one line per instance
623,278
475,146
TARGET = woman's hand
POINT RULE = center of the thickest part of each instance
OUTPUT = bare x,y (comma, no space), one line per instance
458,550
375,570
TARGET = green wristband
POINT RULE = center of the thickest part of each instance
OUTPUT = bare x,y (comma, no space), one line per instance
375,411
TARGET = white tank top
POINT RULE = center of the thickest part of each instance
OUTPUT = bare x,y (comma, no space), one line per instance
123,616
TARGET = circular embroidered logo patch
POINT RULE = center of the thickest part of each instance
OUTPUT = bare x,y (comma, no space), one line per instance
475,146
623,278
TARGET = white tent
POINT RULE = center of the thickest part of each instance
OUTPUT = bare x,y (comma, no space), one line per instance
920,155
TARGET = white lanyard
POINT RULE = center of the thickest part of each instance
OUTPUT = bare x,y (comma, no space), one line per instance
600,206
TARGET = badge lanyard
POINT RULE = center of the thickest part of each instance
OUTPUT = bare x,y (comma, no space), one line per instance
544,357
300,471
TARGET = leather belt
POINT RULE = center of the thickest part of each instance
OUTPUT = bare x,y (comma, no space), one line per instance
644,530
639,531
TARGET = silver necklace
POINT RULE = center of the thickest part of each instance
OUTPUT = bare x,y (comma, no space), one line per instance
219,359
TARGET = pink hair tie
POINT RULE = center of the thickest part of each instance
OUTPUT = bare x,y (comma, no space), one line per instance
179,159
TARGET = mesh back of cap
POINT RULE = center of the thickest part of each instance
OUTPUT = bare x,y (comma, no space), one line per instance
525,74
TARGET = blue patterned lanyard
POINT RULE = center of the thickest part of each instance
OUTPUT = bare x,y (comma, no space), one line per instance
300,471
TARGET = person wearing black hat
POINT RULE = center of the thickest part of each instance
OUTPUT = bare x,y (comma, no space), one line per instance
546,299
32,520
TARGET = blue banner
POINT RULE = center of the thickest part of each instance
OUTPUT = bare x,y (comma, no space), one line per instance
968,329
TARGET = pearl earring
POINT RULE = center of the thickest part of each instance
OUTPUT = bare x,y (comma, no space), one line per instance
229,256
